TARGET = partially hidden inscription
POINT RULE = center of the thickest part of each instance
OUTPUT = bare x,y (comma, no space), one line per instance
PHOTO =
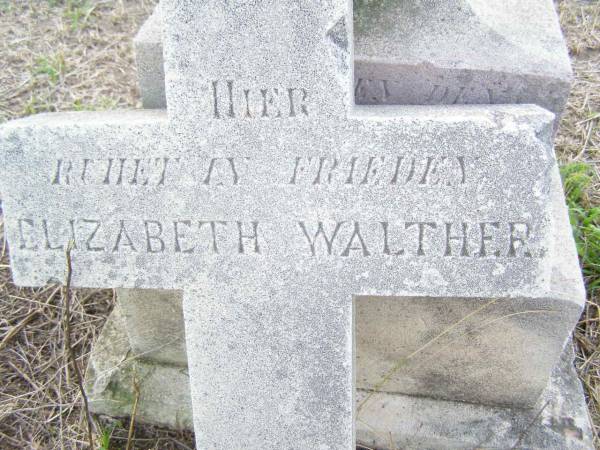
403,91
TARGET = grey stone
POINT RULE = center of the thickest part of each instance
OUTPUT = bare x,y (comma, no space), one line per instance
461,51
559,419
497,143
449,347
492,142
154,324
435,52
113,369
387,330
387,18
149,62
232,215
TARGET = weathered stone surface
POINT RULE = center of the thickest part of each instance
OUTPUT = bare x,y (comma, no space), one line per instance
461,51
155,327
559,419
511,144
436,314
149,61
114,367
435,52
432,347
389,330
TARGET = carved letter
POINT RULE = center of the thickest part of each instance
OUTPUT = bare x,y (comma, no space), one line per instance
422,226
163,174
86,162
215,100
356,234
23,244
213,229
253,237
512,250
372,170
464,250
180,235
461,162
296,167
88,242
303,108
154,237
123,233
49,246
386,246
487,238
62,173
328,241
108,170
399,160
270,100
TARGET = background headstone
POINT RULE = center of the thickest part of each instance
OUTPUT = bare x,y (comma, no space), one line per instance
433,52
418,52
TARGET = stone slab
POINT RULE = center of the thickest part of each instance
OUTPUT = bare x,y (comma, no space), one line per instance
516,150
113,368
442,345
434,52
436,313
497,164
559,419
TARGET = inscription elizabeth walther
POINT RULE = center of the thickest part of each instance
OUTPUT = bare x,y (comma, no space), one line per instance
345,238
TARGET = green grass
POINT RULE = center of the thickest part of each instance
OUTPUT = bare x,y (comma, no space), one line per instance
37,105
77,11
53,67
106,434
578,179
5,6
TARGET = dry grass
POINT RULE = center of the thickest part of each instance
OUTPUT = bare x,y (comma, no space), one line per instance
579,133
76,54
579,140
67,55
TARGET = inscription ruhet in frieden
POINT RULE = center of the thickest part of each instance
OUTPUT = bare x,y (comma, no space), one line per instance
270,201
394,170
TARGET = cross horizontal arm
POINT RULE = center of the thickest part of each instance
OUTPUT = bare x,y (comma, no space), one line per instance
378,198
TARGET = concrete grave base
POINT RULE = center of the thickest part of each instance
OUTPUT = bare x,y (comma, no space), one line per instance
387,421
113,367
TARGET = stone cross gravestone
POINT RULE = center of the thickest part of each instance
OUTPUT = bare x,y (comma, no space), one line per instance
271,201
